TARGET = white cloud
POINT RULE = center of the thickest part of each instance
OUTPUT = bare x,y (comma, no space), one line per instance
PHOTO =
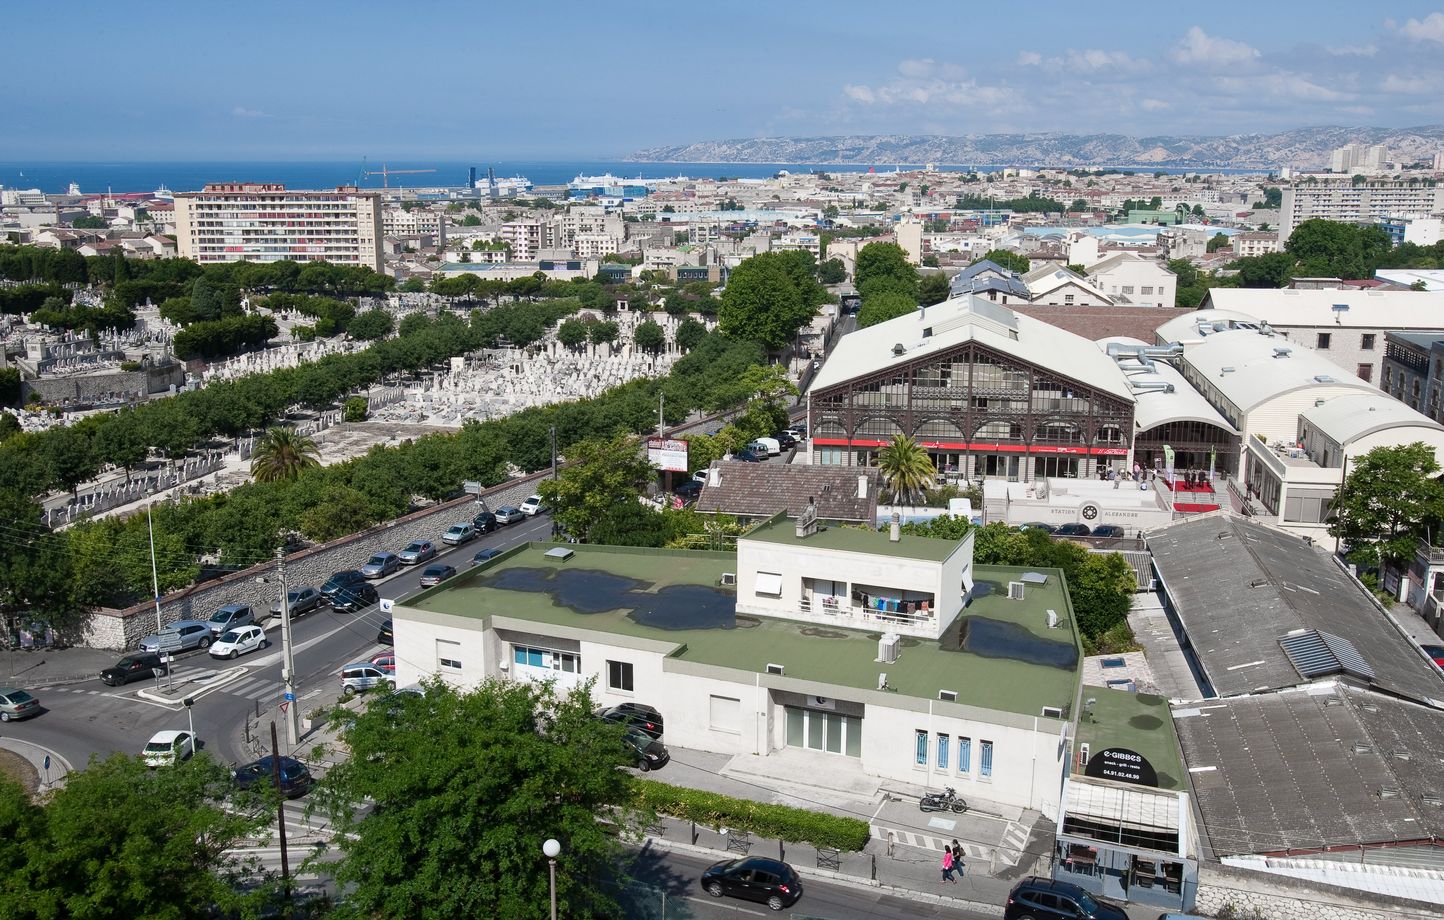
1279,86
859,94
1154,105
1428,29
1368,50
959,93
917,68
1097,59
241,111
1029,59
1394,83
1198,47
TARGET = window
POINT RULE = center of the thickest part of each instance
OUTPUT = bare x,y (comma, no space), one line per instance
1324,339
921,755
619,676
725,714
769,584
1365,372
945,744
1067,298
546,658
1366,341
1147,289
448,654
965,755
1128,289
985,759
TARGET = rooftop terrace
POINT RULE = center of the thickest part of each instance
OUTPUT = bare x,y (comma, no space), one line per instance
783,529
1139,722
999,654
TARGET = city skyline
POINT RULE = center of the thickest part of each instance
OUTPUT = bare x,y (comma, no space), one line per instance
330,79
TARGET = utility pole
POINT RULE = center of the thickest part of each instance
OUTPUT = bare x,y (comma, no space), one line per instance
154,578
552,431
280,817
288,664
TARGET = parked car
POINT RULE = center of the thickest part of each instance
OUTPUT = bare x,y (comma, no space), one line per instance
750,455
532,506
436,573
458,534
700,476
768,446
651,754
132,667
1109,530
1046,899
356,597
17,704
483,555
634,715
417,551
384,634
506,514
381,565
296,779
193,633
787,439
1435,652
1073,530
168,747
386,661
1037,525
341,580
485,522
363,675
689,490
239,641
799,431
300,600
229,617
754,878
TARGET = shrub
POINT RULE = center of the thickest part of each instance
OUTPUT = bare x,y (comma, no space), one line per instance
780,822
356,409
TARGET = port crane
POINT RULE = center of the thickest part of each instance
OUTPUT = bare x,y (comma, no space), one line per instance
386,173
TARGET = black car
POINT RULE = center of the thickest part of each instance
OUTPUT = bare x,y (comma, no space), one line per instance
484,522
132,667
354,597
786,439
296,780
1108,530
1045,899
689,490
755,878
651,754
1073,530
748,455
483,555
634,715
341,580
384,634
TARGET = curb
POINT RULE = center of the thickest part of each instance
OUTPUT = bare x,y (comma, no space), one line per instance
57,759
850,881
204,682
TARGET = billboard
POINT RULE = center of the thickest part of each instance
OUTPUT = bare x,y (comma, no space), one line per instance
667,454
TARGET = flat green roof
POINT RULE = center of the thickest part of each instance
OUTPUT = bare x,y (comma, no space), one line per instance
808,651
1140,722
782,529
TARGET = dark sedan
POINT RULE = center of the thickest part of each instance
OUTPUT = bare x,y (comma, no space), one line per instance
754,878
300,601
132,667
1109,530
296,779
634,715
484,522
356,597
651,754
482,555
1073,530
384,634
435,574
341,580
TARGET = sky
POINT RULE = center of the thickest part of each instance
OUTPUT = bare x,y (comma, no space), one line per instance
323,79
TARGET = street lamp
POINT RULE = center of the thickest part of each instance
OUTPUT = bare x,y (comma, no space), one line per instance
190,719
552,849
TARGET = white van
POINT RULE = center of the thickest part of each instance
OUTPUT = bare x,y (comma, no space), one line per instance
772,446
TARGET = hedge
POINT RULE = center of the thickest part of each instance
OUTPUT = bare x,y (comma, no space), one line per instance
779,822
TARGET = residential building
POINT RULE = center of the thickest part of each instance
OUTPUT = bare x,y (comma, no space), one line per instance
1255,243
1356,203
415,222
1419,230
989,279
1129,278
525,237
910,238
1414,371
1051,283
1354,159
262,222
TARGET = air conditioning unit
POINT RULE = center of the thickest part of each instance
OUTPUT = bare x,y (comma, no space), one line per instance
888,647
729,578
1052,619
1015,590
774,669
1083,754
1052,712
948,696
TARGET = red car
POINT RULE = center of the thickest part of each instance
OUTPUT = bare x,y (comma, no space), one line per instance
1435,652
386,661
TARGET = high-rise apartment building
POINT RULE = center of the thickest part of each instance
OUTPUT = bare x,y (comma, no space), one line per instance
261,222
1359,158
1364,202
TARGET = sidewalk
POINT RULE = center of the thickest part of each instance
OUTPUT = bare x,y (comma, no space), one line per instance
50,767
37,669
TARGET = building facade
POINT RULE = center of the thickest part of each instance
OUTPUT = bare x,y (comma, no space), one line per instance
262,222
1349,202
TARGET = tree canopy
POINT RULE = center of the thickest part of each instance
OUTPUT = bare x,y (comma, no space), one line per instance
603,474
1012,261
1390,500
762,301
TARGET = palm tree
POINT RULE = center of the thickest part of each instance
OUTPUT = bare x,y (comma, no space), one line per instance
282,454
906,467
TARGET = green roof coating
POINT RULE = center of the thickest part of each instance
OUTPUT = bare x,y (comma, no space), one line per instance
782,529
1139,722
808,651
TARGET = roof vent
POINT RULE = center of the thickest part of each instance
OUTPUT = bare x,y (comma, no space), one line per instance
948,696
1225,370
898,349
1315,653
774,668
1388,792
1282,352
1015,590
1362,748
1401,755
1430,798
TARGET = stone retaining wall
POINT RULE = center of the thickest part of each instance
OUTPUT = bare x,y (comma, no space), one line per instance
86,387
123,629
1226,891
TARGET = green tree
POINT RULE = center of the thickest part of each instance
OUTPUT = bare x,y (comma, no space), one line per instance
355,409
1270,270
887,265
906,468
572,333
118,441
761,303
1012,261
340,510
649,337
1273,199
456,825
1331,248
933,288
603,473
70,458
1218,241
282,453
9,386
371,325
1390,500
832,271
1079,204
604,332
881,307
689,333
121,840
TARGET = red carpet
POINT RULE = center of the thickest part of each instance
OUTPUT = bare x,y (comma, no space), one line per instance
1182,486
1191,507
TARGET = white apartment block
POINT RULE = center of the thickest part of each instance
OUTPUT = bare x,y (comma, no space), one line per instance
1255,243
416,222
594,245
1359,158
579,219
525,237
1366,203
808,242
1131,280
262,222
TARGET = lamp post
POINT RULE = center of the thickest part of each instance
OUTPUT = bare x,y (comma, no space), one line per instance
552,849
190,719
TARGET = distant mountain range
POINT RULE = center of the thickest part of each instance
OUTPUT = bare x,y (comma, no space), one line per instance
1301,148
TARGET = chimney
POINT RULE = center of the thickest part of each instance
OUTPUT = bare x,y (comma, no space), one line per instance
894,531
862,486
807,520
714,476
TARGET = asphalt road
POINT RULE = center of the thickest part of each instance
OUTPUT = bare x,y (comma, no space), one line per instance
89,719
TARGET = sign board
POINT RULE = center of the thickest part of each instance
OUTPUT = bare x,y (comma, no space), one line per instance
169,642
471,487
668,454
290,697
1122,765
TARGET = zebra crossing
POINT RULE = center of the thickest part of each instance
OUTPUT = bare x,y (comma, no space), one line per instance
249,686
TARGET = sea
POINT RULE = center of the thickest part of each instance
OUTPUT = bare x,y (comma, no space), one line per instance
54,177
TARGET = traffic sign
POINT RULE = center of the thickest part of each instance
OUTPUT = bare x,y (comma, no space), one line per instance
169,642
290,697
47,761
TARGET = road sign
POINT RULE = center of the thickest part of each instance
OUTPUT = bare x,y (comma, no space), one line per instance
471,487
290,697
157,671
284,705
47,761
169,642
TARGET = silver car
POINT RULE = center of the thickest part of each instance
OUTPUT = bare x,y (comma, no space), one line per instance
417,551
381,565
17,704
300,600
193,633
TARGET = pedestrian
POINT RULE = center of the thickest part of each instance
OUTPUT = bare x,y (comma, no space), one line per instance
948,864
958,863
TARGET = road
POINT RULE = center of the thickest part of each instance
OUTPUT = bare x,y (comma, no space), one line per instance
88,719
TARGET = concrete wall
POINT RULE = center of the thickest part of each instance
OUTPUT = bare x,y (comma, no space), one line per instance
94,386
123,629
1227,891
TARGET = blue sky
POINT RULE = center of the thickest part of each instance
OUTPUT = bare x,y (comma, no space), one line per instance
304,79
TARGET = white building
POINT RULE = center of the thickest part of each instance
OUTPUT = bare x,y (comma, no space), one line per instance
1255,243
415,222
1365,202
1130,279
1359,158
262,222
1053,284
773,652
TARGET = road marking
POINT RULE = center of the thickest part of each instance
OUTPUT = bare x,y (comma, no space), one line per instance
715,902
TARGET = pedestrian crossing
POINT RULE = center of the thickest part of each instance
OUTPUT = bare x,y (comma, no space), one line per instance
266,860
250,686
908,838
302,829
